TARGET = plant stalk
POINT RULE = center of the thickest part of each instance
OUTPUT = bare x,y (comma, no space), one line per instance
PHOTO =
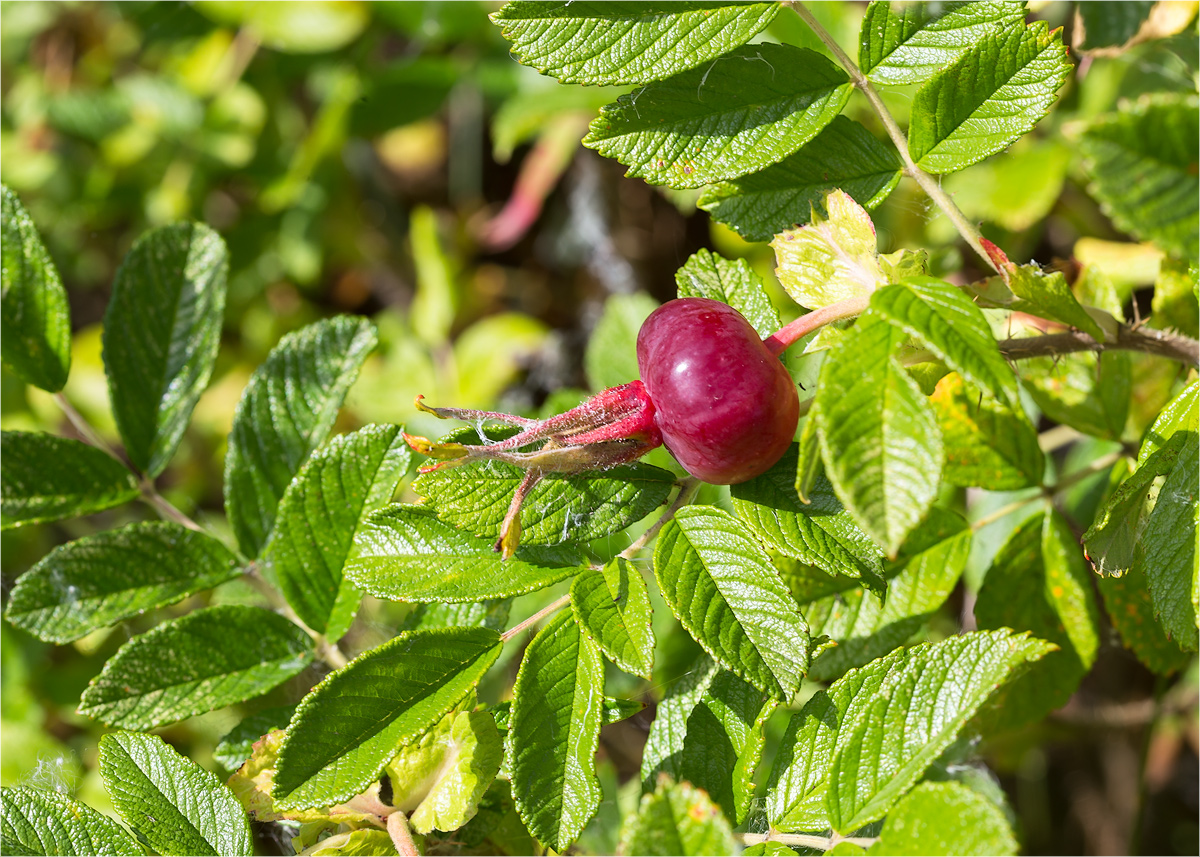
789,334
535,618
805,840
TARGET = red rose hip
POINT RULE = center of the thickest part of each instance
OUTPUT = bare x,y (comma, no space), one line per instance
726,407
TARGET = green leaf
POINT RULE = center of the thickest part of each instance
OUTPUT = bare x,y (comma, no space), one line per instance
911,43
200,662
707,275
1111,24
752,107
33,821
845,156
285,413
917,713
404,553
611,355
352,723
830,259
174,805
44,478
1131,610
987,443
773,848
945,818
439,780
315,28
616,43
1038,582
1174,303
35,319
1017,191
1142,163
162,329
819,533
799,779
1180,414
556,713
1049,296
612,607
237,745
561,508
343,482
992,95
481,614
946,321
865,629
1086,391
879,435
1167,547
356,843
677,819
99,580
729,597
708,731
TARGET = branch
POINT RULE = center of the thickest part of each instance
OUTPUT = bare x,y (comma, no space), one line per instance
535,618
928,183
805,840
1161,343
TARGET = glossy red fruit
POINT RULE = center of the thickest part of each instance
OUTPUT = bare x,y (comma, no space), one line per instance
726,407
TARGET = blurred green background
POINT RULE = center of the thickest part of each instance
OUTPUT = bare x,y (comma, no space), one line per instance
390,159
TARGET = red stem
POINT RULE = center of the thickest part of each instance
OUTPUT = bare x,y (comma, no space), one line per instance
787,335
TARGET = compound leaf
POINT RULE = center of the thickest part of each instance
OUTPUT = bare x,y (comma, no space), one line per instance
616,43
917,713
35,319
99,580
844,156
988,98
708,731
345,480
351,725
742,112
988,444
33,821
912,42
1142,162
174,805
677,819
554,731
161,333
612,607
946,818
947,322
819,533
284,414
731,600
45,478
404,553
879,435
200,662
1038,582
707,275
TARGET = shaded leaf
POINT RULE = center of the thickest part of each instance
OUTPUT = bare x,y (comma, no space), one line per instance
237,745
677,819
610,358
992,95
615,43
1167,550
844,156
33,821
162,329
343,482
99,580
912,42
987,444
351,724
284,414
44,478
729,597
612,607
744,111
707,275
200,662
404,553
555,729
173,803
35,319
1131,610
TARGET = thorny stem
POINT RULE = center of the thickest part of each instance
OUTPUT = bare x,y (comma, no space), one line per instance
1099,465
927,182
1173,346
328,651
805,840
